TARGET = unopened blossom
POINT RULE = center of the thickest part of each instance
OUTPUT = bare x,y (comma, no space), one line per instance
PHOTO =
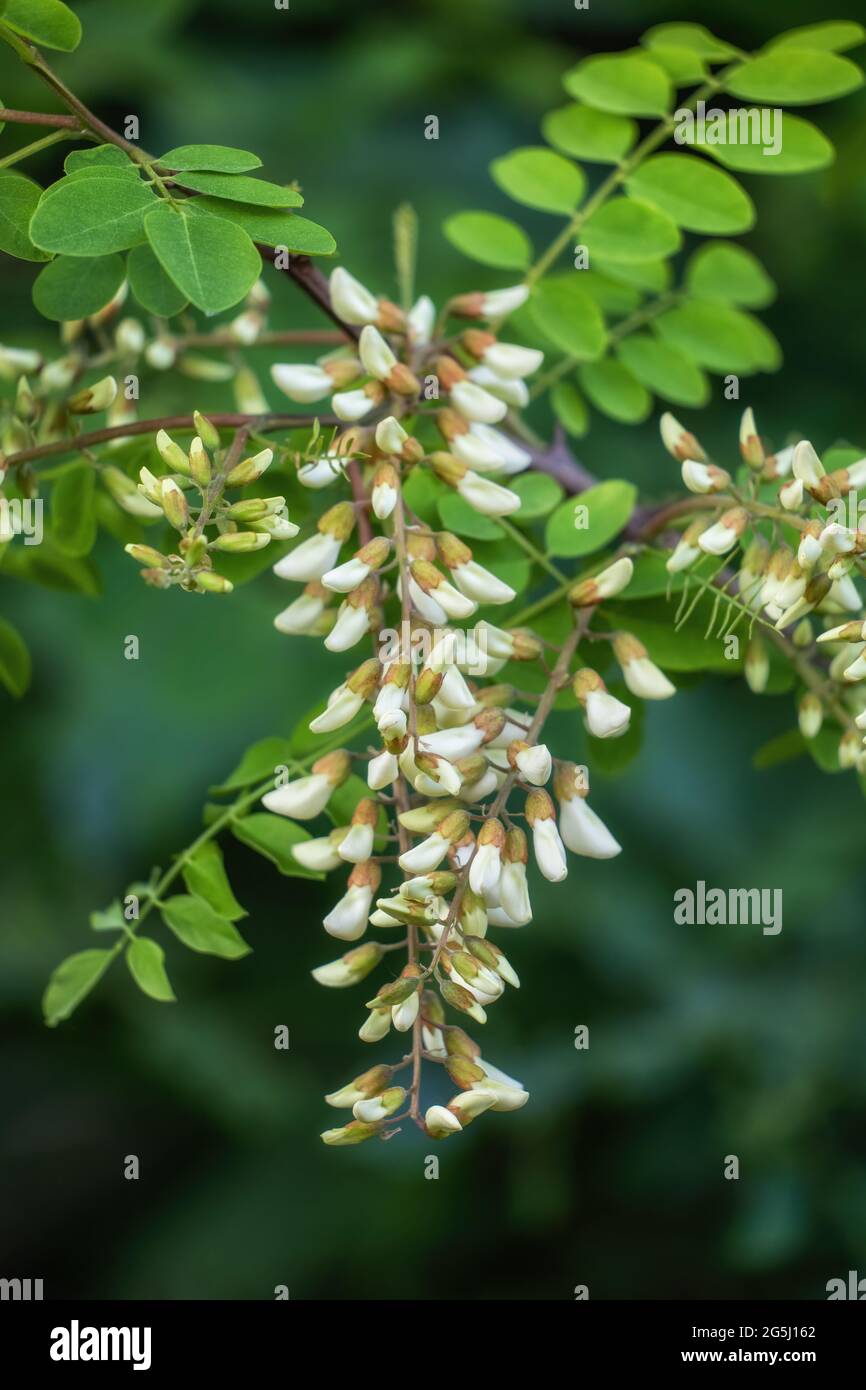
350,300
678,441
308,796
606,717
641,675
582,830
546,841
347,919
725,533
609,582
321,854
348,970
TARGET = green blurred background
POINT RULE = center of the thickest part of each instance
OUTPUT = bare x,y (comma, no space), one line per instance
705,1041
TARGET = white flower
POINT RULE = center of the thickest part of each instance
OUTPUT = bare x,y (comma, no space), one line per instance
476,403
321,472
382,770
347,919
791,495
441,1122
347,576
455,604
702,478
454,743
376,357
514,892
335,975
356,845
309,560
390,435
375,1026
509,360
584,832
549,851
301,616
806,464
683,555
425,603
505,1097
352,623
487,497
473,579
343,705
614,578
718,539
808,551
404,1015
320,854
485,870
512,391
497,303
535,763
606,716
454,693
301,382
838,539
350,300
427,855
302,799
383,499
420,320
352,405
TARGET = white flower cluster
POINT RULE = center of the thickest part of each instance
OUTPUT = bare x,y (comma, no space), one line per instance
452,747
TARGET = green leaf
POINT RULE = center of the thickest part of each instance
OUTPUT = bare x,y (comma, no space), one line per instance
213,262
91,216
19,197
730,274
683,649
780,144
489,239
222,159
570,408
274,836
683,66
833,34
664,370
259,762
569,316
539,178
46,22
824,748
457,516
71,982
97,156
538,493
691,36
594,135
205,876
421,493
240,188
512,566
794,77
781,749
720,337
273,227
73,521
146,966
153,289
697,196
615,391
15,665
650,578
45,564
610,296
72,287
109,919
627,84
628,229
195,923
654,277
585,523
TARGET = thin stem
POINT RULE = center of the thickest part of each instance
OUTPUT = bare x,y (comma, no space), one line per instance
34,147
7,114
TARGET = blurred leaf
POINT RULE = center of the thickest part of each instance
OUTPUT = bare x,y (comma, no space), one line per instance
463,520
570,408
615,391
146,966
793,146
569,316
71,982
604,508
719,337
693,36
781,749
46,565
73,519
833,34
627,84
273,226
664,370
692,192
195,923
205,876
490,239
259,762
588,134
730,274
538,493
46,22
103,156
274,836
793,76
108,919
628,229
72,287
15,664
539,178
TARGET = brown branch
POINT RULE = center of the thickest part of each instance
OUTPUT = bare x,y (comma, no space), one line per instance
256,424
39,118
308,277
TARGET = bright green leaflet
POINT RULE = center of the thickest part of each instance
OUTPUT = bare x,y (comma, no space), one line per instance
222,159
239,188
92,216
19,197
153,289
72,287
213,262
273,226
489,239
